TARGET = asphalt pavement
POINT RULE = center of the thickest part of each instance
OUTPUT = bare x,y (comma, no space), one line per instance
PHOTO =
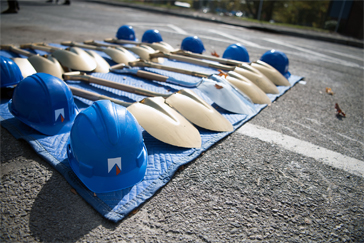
292,174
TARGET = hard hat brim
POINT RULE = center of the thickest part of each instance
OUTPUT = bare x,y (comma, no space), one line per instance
58,128
99,184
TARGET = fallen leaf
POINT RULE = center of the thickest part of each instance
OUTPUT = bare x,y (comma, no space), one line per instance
181,168
222,73
339,111
215,54
134,211
329,91
308,221
218,86
73,191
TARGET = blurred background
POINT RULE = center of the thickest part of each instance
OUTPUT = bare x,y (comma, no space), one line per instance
341,16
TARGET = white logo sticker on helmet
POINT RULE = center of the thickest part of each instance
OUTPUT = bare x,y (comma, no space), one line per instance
114,161
59,112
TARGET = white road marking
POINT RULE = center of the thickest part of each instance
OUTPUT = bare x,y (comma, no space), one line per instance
304,51
349,138
315,131
315,53
331,158
177,29
172,26
244,42
347,55
146,24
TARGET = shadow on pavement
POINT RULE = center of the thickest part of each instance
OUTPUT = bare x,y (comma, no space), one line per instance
57,214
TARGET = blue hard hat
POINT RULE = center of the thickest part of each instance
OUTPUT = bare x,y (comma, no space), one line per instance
10,72
151,36
126,32
278,60
106,148
192,44
45,103
236,52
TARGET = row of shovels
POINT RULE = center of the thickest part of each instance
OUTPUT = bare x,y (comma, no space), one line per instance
167,117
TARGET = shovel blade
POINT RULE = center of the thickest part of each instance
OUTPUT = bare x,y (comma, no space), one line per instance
257,78
162,46
75,59
101,65
48,65
164,123
226,97
197,111
144,51
271,73
26,68
120,55
249,88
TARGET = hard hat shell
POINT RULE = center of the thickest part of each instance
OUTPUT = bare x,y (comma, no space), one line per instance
126,32
151,36
192,44
236,52
278,60
106,148
45,103
10,72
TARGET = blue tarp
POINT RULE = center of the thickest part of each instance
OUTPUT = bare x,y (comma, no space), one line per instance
163,159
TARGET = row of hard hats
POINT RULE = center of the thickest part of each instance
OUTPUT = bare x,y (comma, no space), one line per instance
106,148
238,52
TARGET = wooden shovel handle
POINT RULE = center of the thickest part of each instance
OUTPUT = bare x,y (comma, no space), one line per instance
193,61
211,58
168,68
116,41
94,43
111,84
17,50
39,47
71,43
152,76
143,74
94,96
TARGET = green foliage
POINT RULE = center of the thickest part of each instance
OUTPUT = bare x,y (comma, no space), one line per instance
306,13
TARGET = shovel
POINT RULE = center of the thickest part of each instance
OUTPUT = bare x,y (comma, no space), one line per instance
35,62
157,118
74,58
223,94
215,87
186,102
271,73
143,51
267,70
161,46
253,72
118,55
101,65
245,70
247,87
